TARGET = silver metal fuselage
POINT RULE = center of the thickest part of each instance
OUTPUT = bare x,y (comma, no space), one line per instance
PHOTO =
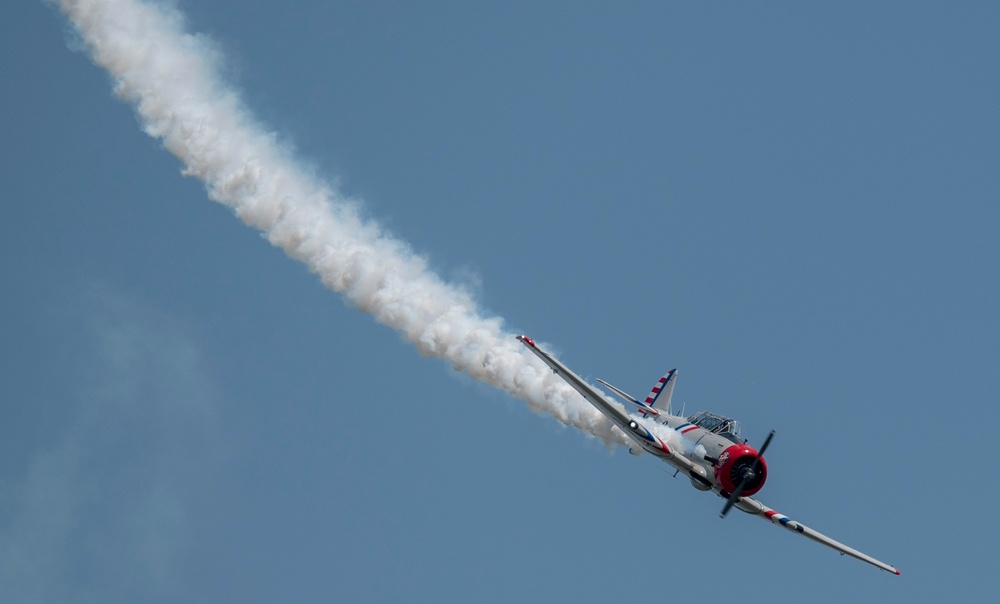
707,447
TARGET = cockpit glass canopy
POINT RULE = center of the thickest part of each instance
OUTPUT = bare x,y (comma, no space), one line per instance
718,424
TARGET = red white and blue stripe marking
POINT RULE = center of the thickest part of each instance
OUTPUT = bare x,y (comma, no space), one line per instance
686,427
777,518
784,521
649,436
658,388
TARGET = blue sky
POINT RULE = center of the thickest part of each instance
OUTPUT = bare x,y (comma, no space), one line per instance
796,205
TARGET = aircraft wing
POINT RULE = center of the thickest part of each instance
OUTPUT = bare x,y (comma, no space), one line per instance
634,429
611,411
752,506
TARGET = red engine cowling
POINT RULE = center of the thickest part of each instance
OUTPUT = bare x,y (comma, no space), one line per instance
733,462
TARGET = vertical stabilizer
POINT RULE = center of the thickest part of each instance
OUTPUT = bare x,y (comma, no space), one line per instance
663,390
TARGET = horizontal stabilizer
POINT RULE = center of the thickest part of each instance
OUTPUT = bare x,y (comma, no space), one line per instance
643,407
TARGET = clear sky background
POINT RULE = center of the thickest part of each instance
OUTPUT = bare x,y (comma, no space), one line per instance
795,204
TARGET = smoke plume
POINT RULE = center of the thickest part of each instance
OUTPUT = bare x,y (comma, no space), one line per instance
170,77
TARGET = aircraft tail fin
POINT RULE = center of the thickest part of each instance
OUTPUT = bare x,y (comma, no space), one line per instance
663,390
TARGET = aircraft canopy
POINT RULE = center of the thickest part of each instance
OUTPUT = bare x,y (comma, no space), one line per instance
719,424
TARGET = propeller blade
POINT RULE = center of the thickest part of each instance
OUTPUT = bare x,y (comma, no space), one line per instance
732,498
746,476
767,441
756,460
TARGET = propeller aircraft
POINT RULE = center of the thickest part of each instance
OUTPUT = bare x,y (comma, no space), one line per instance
715,456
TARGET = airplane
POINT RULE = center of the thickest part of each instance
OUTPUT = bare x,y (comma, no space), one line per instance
715,456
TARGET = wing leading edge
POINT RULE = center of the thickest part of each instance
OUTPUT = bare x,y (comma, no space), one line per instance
752,506
609,410
634,429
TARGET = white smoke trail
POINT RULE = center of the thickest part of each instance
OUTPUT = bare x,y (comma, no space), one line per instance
169,76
